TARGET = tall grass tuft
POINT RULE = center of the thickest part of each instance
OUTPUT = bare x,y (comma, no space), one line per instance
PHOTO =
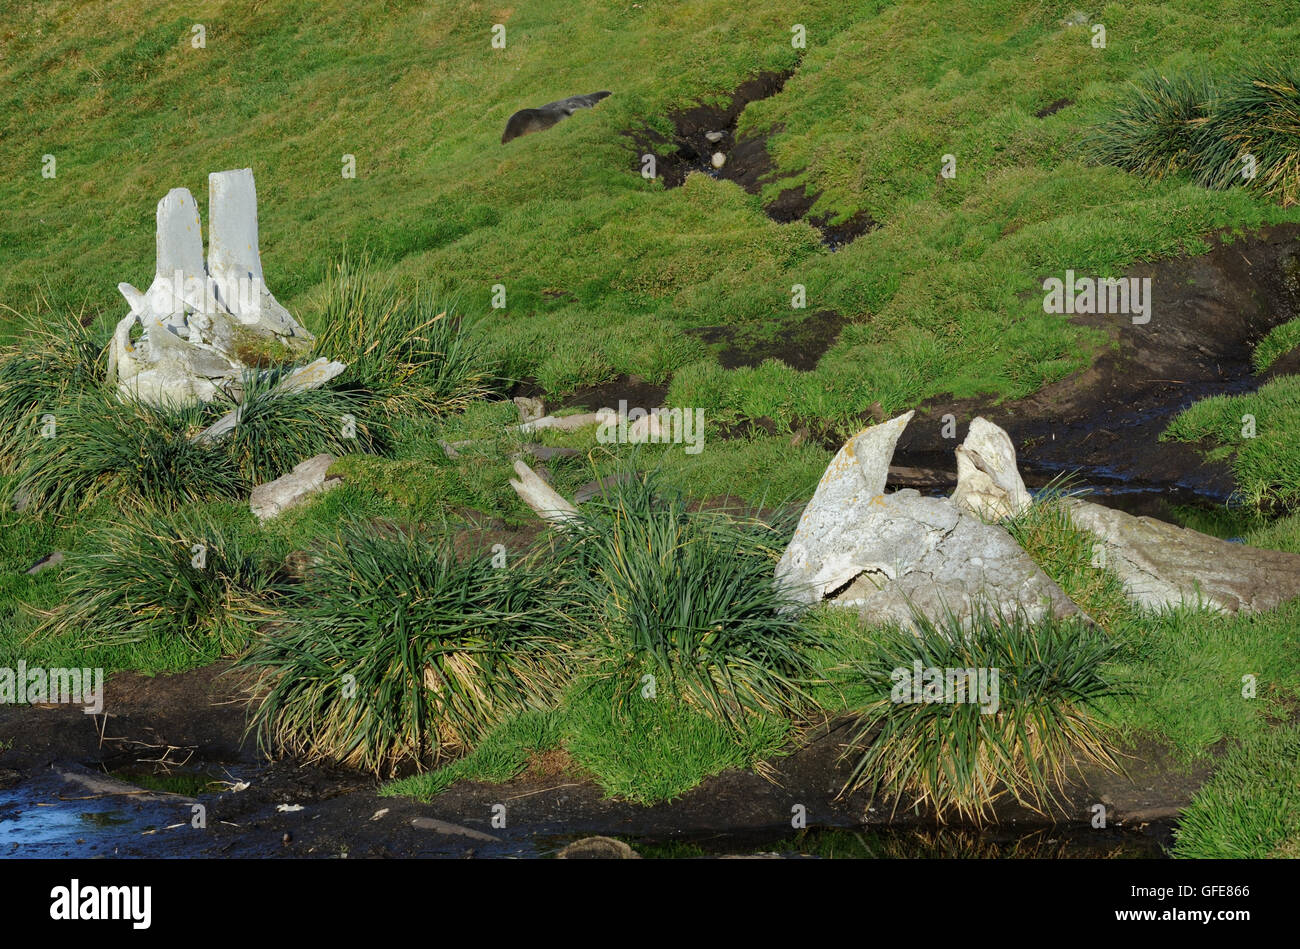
56,360
1067,555
277,430
1154,127
687,596
134,452
410,354
1257,116
953,756
179,576
1244,130
396,651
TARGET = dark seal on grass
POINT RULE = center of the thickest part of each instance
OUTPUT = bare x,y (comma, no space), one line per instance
527,121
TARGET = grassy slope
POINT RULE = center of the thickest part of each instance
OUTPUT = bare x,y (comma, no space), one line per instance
417,94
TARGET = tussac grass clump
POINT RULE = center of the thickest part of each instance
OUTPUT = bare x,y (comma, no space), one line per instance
72,440
409,354
1155,126
952,755
1241,131
686,596
393,650
277,430
1258,115
182,576
1067,556
130,451
54,362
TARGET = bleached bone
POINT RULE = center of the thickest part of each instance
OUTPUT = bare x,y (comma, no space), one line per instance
541,497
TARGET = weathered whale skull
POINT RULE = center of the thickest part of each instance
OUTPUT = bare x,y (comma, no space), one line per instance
202,326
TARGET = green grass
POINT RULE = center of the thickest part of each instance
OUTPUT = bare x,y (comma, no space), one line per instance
1279,341
1040,720
647,751
605,272
684,600
502,754
1266,463
1249,808
1067,556
396,650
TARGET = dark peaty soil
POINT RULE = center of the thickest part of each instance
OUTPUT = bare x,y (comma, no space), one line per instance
748,162
1208,313
172,727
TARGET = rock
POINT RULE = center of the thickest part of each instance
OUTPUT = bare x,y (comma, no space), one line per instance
530,410
449,829
598,848
547,452
307,478
718,159
46,562
1162,565
988,482
887,554
714,137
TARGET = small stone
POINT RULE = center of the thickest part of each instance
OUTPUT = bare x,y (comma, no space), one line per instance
719,159
449,829
598,848
547,452
46,562
530,410
714,137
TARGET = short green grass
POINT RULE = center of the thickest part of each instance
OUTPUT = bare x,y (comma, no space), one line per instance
1249,808
605,271
1258,431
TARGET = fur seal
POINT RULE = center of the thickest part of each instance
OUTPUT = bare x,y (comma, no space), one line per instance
527,121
